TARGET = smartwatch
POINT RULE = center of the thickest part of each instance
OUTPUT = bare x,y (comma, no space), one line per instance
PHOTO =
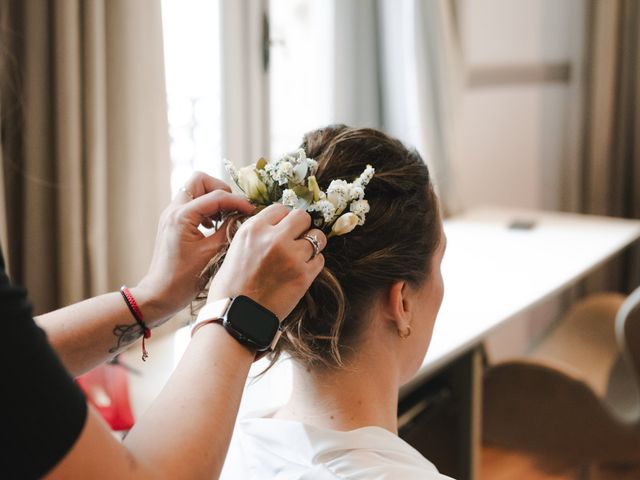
245,320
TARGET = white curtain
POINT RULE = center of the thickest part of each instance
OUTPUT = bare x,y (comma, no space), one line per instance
245,86
398,66
85,144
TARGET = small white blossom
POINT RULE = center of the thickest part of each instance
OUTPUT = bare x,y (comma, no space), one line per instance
265,177
313,166
325,207
360,208
289,198
365,177
231,170
279,171
285,169
299,156
299,172
338,194
356,192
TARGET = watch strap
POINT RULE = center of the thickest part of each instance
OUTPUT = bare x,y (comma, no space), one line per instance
212,312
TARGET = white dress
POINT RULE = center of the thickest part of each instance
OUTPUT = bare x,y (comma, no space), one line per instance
268,448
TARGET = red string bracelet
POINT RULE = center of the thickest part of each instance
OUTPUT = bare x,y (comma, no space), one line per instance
137,314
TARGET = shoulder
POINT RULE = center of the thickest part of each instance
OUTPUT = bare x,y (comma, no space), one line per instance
381,465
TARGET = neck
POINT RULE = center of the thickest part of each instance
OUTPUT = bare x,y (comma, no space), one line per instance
364,393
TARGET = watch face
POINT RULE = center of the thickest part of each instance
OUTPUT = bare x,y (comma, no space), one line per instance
252,321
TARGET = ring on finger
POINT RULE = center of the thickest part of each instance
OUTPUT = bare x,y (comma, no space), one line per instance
314,243
187,192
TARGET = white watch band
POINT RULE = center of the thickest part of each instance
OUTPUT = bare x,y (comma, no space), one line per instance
210,313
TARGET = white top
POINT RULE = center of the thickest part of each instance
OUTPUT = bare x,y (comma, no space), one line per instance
267,448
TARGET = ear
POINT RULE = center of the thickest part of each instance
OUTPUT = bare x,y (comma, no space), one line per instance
398,306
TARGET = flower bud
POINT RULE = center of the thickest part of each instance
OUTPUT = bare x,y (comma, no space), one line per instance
251,185
312,184
344,224
261,163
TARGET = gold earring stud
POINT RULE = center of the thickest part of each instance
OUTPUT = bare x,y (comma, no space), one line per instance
405,334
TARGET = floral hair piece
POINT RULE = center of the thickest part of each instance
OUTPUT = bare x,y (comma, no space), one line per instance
291,180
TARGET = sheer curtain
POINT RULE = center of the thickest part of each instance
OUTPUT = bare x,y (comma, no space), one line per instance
609,165
85,144
398,66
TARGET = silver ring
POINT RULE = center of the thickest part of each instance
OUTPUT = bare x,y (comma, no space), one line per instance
314,243
187,192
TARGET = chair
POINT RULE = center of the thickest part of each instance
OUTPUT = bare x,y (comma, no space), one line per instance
574,400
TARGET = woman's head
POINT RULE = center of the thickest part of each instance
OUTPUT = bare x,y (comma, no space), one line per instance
396,245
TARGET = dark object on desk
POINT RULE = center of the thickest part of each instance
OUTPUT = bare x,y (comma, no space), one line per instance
522,224
575,399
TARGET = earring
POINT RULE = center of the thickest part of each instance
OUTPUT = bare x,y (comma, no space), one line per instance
406,334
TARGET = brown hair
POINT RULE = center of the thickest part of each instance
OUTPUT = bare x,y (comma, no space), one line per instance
396,243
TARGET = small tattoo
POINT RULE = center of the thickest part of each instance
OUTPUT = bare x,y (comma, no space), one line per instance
126,334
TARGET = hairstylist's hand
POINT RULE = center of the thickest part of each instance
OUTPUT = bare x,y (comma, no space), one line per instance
269,262
181,251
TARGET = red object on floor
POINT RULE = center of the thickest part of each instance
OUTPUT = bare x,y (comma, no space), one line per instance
107,389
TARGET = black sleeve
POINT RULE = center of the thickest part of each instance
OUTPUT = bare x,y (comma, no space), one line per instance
42,410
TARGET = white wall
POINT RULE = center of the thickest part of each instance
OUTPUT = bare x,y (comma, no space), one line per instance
514,135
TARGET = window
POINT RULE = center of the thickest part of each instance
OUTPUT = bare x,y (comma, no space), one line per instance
192,66
301,70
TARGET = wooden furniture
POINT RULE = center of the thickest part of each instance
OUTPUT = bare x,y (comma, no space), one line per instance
575,399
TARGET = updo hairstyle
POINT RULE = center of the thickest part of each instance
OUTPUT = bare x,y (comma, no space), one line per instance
396,243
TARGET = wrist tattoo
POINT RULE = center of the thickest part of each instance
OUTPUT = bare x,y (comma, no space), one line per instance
126,334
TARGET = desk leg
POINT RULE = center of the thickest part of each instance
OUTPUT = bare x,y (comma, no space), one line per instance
475,413
442,418
467,383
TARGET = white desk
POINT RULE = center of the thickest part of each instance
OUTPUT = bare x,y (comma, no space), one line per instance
491,273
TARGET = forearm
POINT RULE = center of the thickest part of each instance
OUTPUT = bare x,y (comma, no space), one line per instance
88,333
186,431
196,410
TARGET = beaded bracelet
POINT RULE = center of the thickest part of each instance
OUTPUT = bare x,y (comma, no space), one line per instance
137,314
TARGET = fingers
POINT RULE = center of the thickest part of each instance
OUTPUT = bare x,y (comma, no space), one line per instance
311,244
295,223
315,265
199,184
273,214
211,203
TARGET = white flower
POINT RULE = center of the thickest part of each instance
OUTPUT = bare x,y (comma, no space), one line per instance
344,224
277,172
289,198
231,170
325,207
285,170
251,185
365,177
265,177
356,192
313,166
338,194
300,172
360,208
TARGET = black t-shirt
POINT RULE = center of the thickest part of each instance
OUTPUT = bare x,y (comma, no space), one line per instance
42,410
